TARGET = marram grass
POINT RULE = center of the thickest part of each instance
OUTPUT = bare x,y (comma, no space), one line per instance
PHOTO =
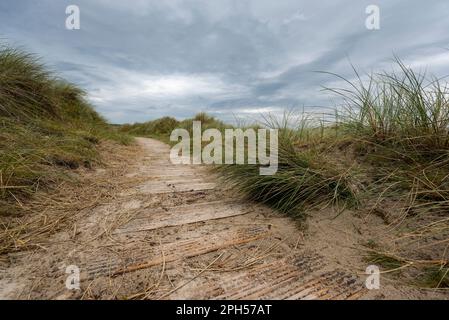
46,125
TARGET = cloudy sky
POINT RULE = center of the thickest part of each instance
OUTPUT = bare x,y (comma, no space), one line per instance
142,59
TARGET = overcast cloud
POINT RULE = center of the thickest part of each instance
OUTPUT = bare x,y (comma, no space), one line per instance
142,59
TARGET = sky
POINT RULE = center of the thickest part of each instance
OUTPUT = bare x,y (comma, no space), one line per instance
142,59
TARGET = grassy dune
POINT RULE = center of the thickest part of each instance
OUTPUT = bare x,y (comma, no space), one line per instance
162,128
46,127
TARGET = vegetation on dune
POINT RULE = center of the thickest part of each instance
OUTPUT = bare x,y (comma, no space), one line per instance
161,128
46,126
398,126
405,111
305,178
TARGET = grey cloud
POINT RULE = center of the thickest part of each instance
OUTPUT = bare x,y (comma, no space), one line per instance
241,54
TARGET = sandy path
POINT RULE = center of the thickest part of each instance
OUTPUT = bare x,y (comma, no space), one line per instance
177,233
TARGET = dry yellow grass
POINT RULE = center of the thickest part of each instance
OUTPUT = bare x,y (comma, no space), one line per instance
49,212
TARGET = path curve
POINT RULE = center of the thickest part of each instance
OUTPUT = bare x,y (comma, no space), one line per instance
178,233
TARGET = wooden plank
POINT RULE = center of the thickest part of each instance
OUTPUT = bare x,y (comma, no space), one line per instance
184,215
142,258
